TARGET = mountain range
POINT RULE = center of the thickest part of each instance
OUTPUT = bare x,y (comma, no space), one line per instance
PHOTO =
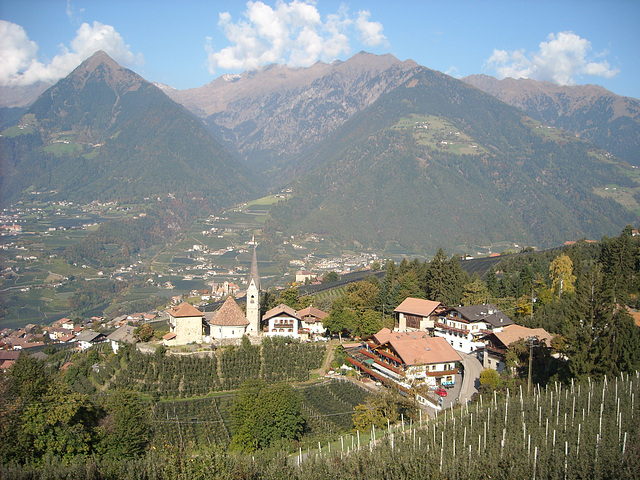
377,152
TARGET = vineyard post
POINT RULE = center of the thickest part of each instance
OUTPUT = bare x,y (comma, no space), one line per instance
465,436
546,432
341,443
506,411
485,435
620,427
597,446
454,447
392,442
535,462
529,447
540,415
504,434
554,439
601,410
441,454
358,439
420,418
566,457
589,404
578,447
319,448
573,410
402,418
300,456
624,443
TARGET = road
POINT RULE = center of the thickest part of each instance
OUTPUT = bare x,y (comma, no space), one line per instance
471,378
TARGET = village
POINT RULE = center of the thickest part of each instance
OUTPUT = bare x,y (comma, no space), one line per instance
435,353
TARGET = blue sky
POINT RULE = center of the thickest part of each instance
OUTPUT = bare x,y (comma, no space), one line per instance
189,43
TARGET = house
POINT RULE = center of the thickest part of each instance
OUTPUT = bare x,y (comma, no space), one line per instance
304,275
7,359
282,321
416,314
229,321
497,343
407,359
64,322
124,334
88,338
188,325
464,327
311,320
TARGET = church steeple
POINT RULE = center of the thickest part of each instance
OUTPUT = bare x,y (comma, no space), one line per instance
253,297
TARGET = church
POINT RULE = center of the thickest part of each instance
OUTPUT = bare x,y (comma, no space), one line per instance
225,325
228,324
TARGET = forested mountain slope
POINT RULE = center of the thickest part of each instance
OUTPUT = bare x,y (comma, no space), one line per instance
437,163
104,133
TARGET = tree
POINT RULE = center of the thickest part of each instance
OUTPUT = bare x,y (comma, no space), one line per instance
265,414
341,318
290,297
475,292
144,332
562,277
126,428
490,377
330,277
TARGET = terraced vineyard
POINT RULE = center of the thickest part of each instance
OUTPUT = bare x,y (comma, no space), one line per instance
190,423
329,406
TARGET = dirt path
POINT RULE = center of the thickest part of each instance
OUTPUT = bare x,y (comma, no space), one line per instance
328,358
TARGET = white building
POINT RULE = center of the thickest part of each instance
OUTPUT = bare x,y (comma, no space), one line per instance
282,321
229,321
311,320
463,327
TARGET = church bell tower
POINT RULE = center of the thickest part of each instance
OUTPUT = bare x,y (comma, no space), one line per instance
253,297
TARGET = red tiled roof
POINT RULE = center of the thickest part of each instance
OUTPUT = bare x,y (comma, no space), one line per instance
417,306
312,311
185,310
229,314
280,309
416,348
513,333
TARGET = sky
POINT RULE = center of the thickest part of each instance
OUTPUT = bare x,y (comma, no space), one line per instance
189,43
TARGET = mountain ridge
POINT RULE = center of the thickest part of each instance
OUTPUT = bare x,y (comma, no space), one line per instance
610,121
104,132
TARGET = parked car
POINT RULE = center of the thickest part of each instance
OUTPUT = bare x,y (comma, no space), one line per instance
441,391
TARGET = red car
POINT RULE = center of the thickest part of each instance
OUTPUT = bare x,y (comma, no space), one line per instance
441,391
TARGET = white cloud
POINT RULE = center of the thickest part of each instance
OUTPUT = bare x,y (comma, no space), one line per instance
19,64
560,59
370,32
293,33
